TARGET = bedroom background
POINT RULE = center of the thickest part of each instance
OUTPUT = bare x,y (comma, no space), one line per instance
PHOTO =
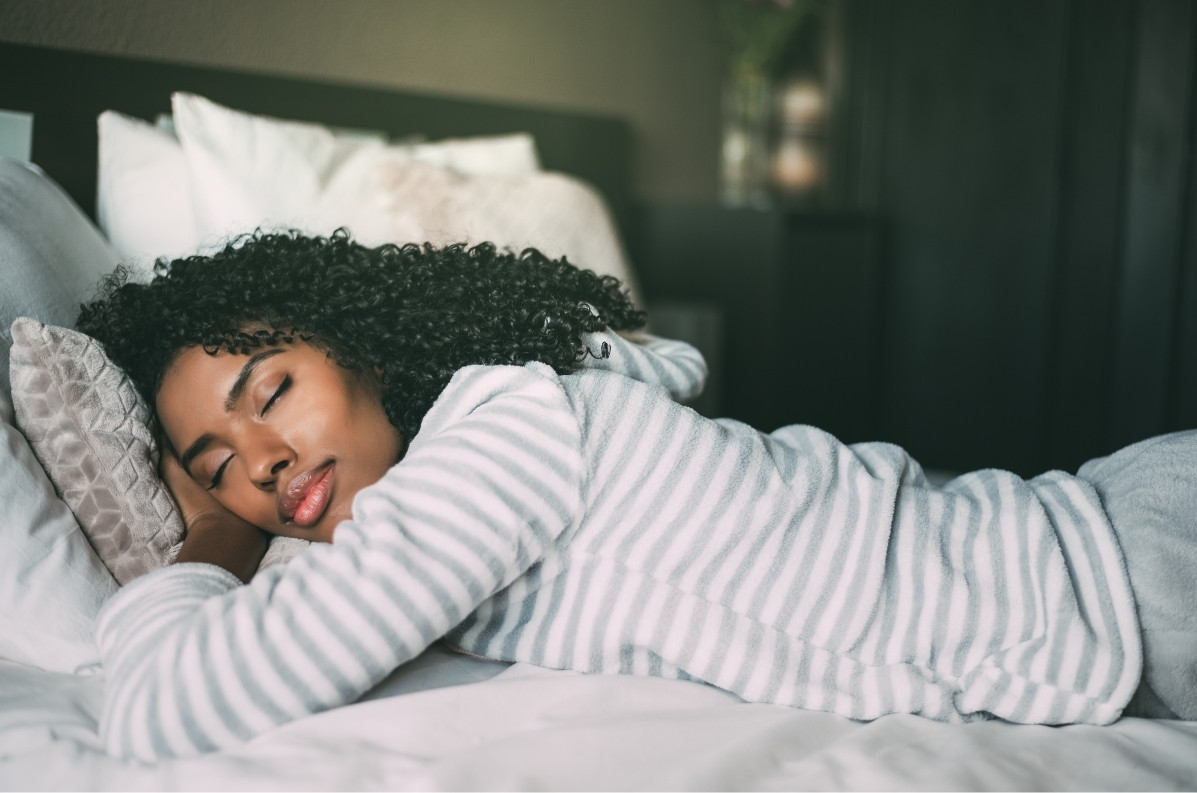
1000,268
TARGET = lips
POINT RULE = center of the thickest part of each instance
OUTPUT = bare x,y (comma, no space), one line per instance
307,496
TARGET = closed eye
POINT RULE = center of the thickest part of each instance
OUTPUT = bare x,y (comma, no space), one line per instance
283,387
219,473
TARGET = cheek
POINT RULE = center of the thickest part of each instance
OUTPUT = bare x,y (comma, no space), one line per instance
248,502
386,442
373,431
313,421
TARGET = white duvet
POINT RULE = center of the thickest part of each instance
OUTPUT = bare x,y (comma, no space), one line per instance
451,722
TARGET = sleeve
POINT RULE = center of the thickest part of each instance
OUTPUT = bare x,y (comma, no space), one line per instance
675,365
196,662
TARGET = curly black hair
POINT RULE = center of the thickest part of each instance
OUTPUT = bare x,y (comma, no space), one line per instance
413,314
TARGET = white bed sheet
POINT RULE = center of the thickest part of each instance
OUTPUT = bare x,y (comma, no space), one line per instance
450,722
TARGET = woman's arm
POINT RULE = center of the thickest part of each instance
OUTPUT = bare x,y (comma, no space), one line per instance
196,662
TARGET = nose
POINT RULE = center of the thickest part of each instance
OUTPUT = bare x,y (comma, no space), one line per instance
266,459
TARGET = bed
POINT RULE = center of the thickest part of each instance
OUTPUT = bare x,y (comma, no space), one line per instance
132,160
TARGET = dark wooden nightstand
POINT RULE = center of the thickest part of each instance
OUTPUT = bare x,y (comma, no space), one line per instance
799,294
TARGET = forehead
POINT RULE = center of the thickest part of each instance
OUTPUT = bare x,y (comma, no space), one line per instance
193,367
197,365
195,373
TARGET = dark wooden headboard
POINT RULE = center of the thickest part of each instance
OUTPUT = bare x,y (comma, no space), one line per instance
65,91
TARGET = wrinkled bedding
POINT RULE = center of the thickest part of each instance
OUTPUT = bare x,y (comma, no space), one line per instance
452,722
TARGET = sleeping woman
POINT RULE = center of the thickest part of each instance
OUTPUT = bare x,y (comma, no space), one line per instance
490,452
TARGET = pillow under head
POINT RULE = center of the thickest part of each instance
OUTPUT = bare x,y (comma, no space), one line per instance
89,428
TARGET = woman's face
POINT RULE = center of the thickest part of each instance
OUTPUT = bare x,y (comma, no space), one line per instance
283,438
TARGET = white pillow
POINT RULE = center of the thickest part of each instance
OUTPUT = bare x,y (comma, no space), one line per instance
143,197
248,171
553,212
51,255
497,155
52,584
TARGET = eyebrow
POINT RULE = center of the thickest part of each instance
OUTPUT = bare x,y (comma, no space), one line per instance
247,371
230,402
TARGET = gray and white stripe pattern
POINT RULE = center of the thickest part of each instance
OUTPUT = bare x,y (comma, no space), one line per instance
590,522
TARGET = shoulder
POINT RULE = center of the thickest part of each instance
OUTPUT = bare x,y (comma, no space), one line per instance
490,394
501,439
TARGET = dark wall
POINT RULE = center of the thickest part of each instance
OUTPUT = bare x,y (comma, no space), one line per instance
1012,183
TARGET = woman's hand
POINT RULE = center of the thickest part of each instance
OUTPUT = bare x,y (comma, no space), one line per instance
213,534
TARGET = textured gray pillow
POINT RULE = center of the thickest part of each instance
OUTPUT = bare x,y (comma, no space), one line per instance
88,427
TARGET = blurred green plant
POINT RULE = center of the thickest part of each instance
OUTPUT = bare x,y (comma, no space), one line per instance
758,31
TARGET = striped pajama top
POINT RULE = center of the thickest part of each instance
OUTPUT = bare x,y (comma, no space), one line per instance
590,522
